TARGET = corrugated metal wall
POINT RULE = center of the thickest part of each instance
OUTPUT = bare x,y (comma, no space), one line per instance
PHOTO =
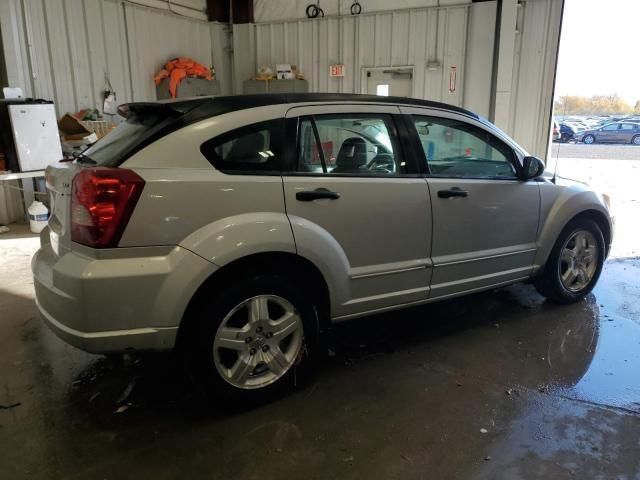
374,40
151,32
61,49
67,47
408,38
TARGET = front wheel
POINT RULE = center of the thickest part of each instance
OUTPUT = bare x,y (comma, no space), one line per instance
589,139
636,140
575,262
253,339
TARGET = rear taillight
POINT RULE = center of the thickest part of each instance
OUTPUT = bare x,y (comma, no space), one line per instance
102,201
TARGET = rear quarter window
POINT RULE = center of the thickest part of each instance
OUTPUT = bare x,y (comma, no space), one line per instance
256,148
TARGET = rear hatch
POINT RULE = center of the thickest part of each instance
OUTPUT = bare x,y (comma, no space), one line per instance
145,122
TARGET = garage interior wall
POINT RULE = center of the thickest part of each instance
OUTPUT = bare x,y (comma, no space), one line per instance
61,49
456,34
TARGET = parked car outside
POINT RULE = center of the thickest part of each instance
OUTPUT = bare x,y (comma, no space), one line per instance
567,132
555,131
237,230
622,132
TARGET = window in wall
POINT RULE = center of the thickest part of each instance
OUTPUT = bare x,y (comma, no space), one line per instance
348,144
453,148
382,90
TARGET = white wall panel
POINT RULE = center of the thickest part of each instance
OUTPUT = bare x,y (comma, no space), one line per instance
479,62
279,10
15,45
155,37
398,38
458,35
62,49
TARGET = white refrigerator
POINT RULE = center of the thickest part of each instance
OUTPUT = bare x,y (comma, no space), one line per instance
34,128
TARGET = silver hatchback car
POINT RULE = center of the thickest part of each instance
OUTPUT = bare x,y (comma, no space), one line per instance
237,229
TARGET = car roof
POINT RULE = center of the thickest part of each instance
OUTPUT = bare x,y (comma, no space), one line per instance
200,108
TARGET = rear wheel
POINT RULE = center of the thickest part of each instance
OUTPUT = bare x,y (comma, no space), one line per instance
575,262
636,140
589,139
253,339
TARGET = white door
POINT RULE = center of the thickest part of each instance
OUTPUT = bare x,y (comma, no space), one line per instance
356,207
395,83
35,133
485,219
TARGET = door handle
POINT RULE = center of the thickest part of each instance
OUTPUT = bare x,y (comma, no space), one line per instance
318,193
452,192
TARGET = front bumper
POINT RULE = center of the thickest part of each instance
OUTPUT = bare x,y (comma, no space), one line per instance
106,305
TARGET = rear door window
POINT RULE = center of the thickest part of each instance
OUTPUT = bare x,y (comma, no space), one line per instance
347,144
255,148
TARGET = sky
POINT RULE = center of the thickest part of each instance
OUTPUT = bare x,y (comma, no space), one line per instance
599,49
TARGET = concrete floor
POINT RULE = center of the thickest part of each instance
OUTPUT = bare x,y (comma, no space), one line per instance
496,385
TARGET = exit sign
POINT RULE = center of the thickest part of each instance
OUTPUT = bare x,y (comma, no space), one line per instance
336,70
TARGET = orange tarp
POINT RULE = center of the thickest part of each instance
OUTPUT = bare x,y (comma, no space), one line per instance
177,69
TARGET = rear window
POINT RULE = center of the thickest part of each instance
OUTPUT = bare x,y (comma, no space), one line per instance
110,150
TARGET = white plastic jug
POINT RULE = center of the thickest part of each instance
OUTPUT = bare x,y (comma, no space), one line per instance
38,216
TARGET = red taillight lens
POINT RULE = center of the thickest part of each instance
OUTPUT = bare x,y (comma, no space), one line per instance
102,201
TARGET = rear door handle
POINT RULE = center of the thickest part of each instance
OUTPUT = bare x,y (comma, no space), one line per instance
452,192
318,193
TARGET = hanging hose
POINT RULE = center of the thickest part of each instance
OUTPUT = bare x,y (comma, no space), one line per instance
314,10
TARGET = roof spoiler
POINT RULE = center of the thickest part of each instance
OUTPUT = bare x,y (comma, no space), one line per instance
166,107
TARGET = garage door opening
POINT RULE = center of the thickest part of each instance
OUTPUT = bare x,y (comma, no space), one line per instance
597,110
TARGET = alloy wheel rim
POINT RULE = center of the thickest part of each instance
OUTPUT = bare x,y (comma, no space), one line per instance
636,140
588,139
258,342
578,260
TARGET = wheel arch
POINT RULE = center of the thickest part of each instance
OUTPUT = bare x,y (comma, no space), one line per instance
592,214
289,264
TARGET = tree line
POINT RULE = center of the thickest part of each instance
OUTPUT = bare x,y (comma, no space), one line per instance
594,105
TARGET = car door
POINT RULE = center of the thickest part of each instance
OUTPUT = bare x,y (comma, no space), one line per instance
627,132
485,220
609,133
358,208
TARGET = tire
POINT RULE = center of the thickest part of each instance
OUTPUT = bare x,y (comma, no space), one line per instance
234,349
589,139
636,140
556,282
565,138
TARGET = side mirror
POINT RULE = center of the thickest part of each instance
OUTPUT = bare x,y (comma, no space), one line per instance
532,167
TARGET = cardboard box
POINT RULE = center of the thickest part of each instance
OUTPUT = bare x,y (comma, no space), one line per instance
72,130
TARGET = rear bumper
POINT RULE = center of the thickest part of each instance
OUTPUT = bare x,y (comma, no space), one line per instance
119,304
113,340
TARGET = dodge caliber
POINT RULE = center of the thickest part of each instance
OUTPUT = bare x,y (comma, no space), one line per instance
236,230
